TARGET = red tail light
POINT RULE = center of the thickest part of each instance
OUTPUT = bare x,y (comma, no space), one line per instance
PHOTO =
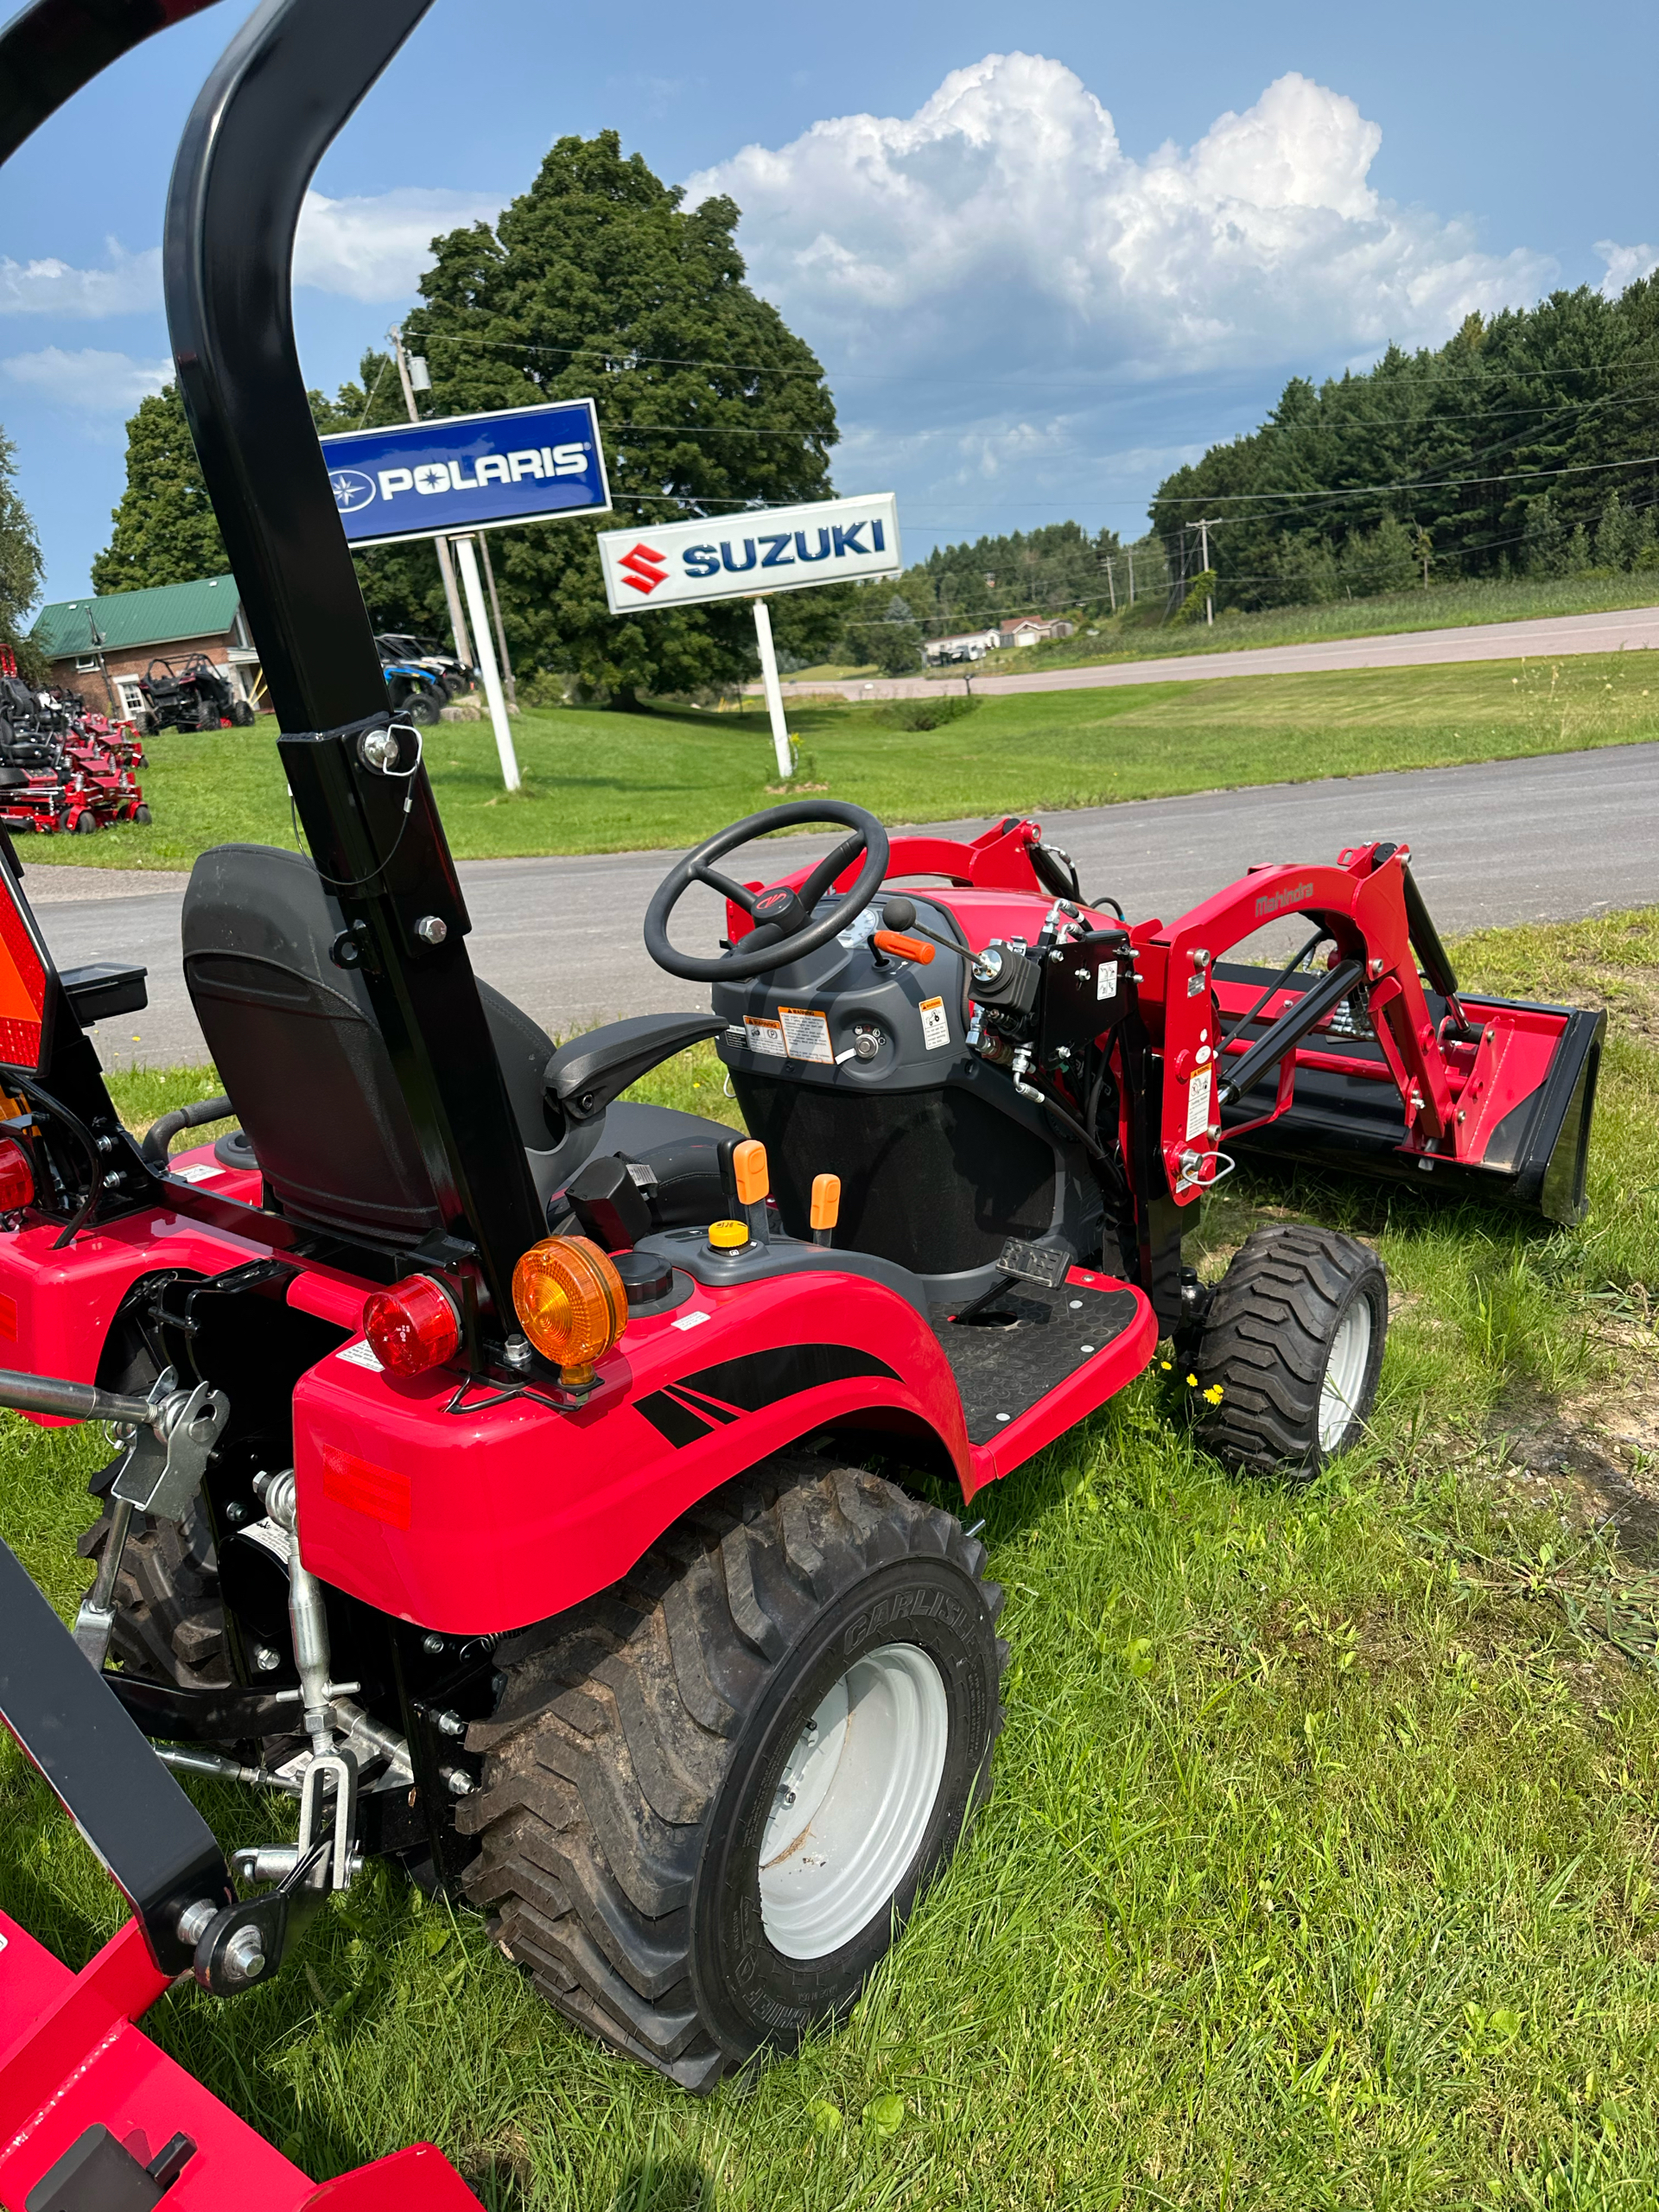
17,1177
412,1327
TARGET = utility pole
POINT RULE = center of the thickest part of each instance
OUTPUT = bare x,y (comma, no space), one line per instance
1206,524
1129,556
1111,583
446,565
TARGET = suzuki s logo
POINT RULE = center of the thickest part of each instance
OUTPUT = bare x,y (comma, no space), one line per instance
644,568
352,489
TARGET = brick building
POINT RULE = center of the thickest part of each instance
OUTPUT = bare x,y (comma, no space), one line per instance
101,646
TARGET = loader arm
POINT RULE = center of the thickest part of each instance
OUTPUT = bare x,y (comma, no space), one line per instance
1494,1095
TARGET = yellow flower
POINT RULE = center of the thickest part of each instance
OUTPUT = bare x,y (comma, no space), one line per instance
1213,1393
1166,1364
1192,1382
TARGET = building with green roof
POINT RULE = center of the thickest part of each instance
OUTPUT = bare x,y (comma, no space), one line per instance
101,645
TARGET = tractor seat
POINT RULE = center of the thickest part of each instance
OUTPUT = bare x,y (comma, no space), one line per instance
302,1061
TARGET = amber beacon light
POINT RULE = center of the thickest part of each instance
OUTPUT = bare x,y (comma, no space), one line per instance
571,1304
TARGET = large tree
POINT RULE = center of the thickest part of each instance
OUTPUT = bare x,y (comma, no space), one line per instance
165,529
598,283
19,562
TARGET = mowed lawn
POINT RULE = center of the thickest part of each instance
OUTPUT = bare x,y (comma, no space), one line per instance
1322,1868
600,781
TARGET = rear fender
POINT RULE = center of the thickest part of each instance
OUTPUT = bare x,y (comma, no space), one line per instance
473,1513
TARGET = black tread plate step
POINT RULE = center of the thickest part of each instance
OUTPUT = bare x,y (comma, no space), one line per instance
1003,1367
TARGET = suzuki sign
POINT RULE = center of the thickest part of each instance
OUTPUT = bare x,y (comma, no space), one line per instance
467,472
765,549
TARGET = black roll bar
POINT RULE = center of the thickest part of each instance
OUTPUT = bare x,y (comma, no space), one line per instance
50,50
286,84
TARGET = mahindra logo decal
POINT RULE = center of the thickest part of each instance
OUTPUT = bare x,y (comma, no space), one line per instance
1276,901
645,567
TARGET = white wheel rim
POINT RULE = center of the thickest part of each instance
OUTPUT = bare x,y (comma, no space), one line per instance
853,1802
1345,1374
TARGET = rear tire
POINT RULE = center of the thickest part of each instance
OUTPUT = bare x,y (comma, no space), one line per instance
241,716
1293,1339
169,1622
639,1765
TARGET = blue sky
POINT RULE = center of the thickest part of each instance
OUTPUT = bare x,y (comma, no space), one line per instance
1044,254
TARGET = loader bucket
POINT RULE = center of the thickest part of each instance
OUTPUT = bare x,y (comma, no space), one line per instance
1527,1098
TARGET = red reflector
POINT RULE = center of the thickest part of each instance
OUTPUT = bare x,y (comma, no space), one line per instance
17,1177
380,1492
412,1327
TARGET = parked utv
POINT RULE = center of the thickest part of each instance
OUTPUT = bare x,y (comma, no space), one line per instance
191,695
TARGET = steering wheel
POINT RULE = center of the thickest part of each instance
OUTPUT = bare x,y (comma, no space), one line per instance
783,927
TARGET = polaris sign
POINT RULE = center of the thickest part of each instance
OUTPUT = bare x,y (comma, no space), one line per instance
768,550
467,472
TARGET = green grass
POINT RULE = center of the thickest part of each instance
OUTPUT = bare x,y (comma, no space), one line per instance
1321,1867
605,782
1138,635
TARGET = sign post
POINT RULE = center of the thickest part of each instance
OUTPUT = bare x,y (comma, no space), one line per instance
467,551
782,749
455,474
749,555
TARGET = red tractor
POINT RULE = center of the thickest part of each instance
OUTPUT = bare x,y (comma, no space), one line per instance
543,1489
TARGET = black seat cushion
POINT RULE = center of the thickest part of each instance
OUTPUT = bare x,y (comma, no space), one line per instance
301,1055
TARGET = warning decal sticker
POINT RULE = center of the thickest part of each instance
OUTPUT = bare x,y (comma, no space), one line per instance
764,1036
936,1029
806,1034
1198,1101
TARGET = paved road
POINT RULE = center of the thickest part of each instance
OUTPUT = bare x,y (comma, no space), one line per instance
1553,838
1629,630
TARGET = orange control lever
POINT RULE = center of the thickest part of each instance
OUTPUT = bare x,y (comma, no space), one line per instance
749,1165
903,948
826,1206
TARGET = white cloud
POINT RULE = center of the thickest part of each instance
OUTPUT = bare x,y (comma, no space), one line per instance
1625,265
371,249
375,248
93,381
1006,209
130,285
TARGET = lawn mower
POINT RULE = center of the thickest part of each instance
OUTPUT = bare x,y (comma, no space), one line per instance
542,1489
191,695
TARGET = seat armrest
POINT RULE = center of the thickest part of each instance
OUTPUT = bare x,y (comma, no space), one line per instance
583,1077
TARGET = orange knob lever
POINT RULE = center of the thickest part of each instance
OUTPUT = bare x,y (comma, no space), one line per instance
903,948
826,1201
749,1165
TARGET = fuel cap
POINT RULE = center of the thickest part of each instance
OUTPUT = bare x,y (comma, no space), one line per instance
644,1276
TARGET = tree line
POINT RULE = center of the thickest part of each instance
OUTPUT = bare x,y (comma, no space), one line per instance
1527,445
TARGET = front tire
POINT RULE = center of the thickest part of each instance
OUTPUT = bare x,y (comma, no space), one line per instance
713,1795
1293,1343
